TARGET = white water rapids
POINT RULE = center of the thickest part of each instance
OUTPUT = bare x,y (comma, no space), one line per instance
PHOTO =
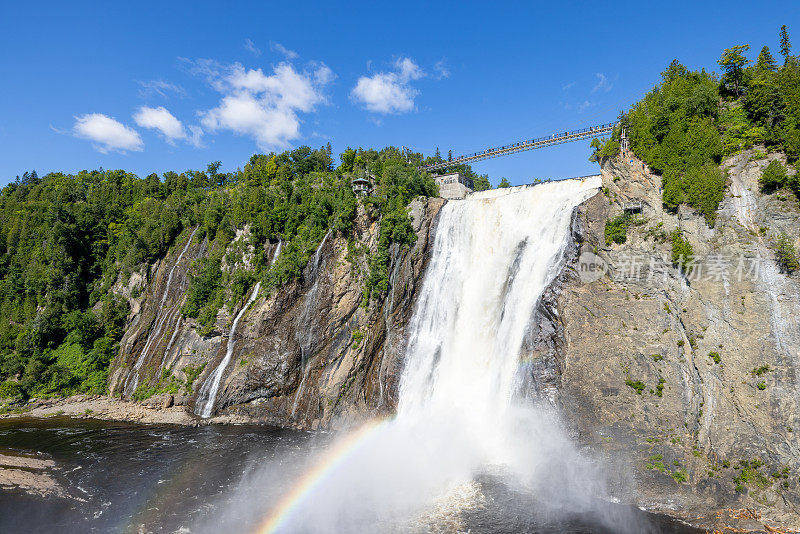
458,420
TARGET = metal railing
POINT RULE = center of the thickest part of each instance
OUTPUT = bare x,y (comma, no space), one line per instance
554,139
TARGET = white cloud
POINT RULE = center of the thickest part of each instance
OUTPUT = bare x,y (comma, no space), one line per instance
603,83
196,139
251,46
290,54
263,106
579,106
567,86
440,67
161,88
106,133
162,120
389,92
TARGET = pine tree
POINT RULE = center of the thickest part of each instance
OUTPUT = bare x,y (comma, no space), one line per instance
437,155
449,155
786,46
765,61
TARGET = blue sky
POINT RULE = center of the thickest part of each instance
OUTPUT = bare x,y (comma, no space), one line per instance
156,86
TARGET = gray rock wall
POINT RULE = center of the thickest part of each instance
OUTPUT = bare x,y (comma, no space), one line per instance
306,355
693,379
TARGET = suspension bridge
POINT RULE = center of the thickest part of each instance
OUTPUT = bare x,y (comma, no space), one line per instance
522,146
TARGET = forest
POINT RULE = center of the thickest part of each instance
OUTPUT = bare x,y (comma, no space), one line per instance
692,119
66,240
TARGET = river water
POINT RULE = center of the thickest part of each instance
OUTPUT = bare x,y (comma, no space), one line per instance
135,478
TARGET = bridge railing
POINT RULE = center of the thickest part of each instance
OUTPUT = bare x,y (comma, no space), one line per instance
553,139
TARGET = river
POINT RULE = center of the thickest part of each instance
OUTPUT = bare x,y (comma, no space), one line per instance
134,478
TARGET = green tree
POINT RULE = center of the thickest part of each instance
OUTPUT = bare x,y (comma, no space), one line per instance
503,183
682,252
732,62
764,101
785,253
481,183
765,61
774,177
786,46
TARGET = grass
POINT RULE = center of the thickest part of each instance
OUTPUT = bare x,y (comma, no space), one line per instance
660,386
760,371
616,230
679,475
637,385
714,355
655,462
749,475
657,357
358,336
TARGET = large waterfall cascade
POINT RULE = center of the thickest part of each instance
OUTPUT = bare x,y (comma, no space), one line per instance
494,254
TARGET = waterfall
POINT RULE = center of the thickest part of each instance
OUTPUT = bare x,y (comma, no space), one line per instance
305,334
154,334
458,420
494,255
207,396
208,392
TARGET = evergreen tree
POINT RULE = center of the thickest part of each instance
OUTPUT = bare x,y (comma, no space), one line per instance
481,183
503,183
786,46
765,61
732,62
437,155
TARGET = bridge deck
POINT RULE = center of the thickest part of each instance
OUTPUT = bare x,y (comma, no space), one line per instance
554,139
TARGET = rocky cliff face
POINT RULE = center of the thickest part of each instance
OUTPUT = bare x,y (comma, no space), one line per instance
306,355
691,378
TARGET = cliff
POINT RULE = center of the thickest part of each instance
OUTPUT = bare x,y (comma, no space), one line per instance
307,354
692,378
689,378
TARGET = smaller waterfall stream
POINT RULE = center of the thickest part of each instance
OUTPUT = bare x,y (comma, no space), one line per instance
304,329
154,334
208,391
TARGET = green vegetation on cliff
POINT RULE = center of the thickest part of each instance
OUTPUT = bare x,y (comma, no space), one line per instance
66,240
689,121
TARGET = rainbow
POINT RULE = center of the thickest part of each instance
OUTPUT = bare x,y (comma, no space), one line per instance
334,457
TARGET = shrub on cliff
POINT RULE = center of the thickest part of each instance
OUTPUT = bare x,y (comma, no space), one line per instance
682,252
616,230
774,177
785,253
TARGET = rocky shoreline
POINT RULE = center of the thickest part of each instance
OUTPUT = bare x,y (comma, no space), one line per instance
159,409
